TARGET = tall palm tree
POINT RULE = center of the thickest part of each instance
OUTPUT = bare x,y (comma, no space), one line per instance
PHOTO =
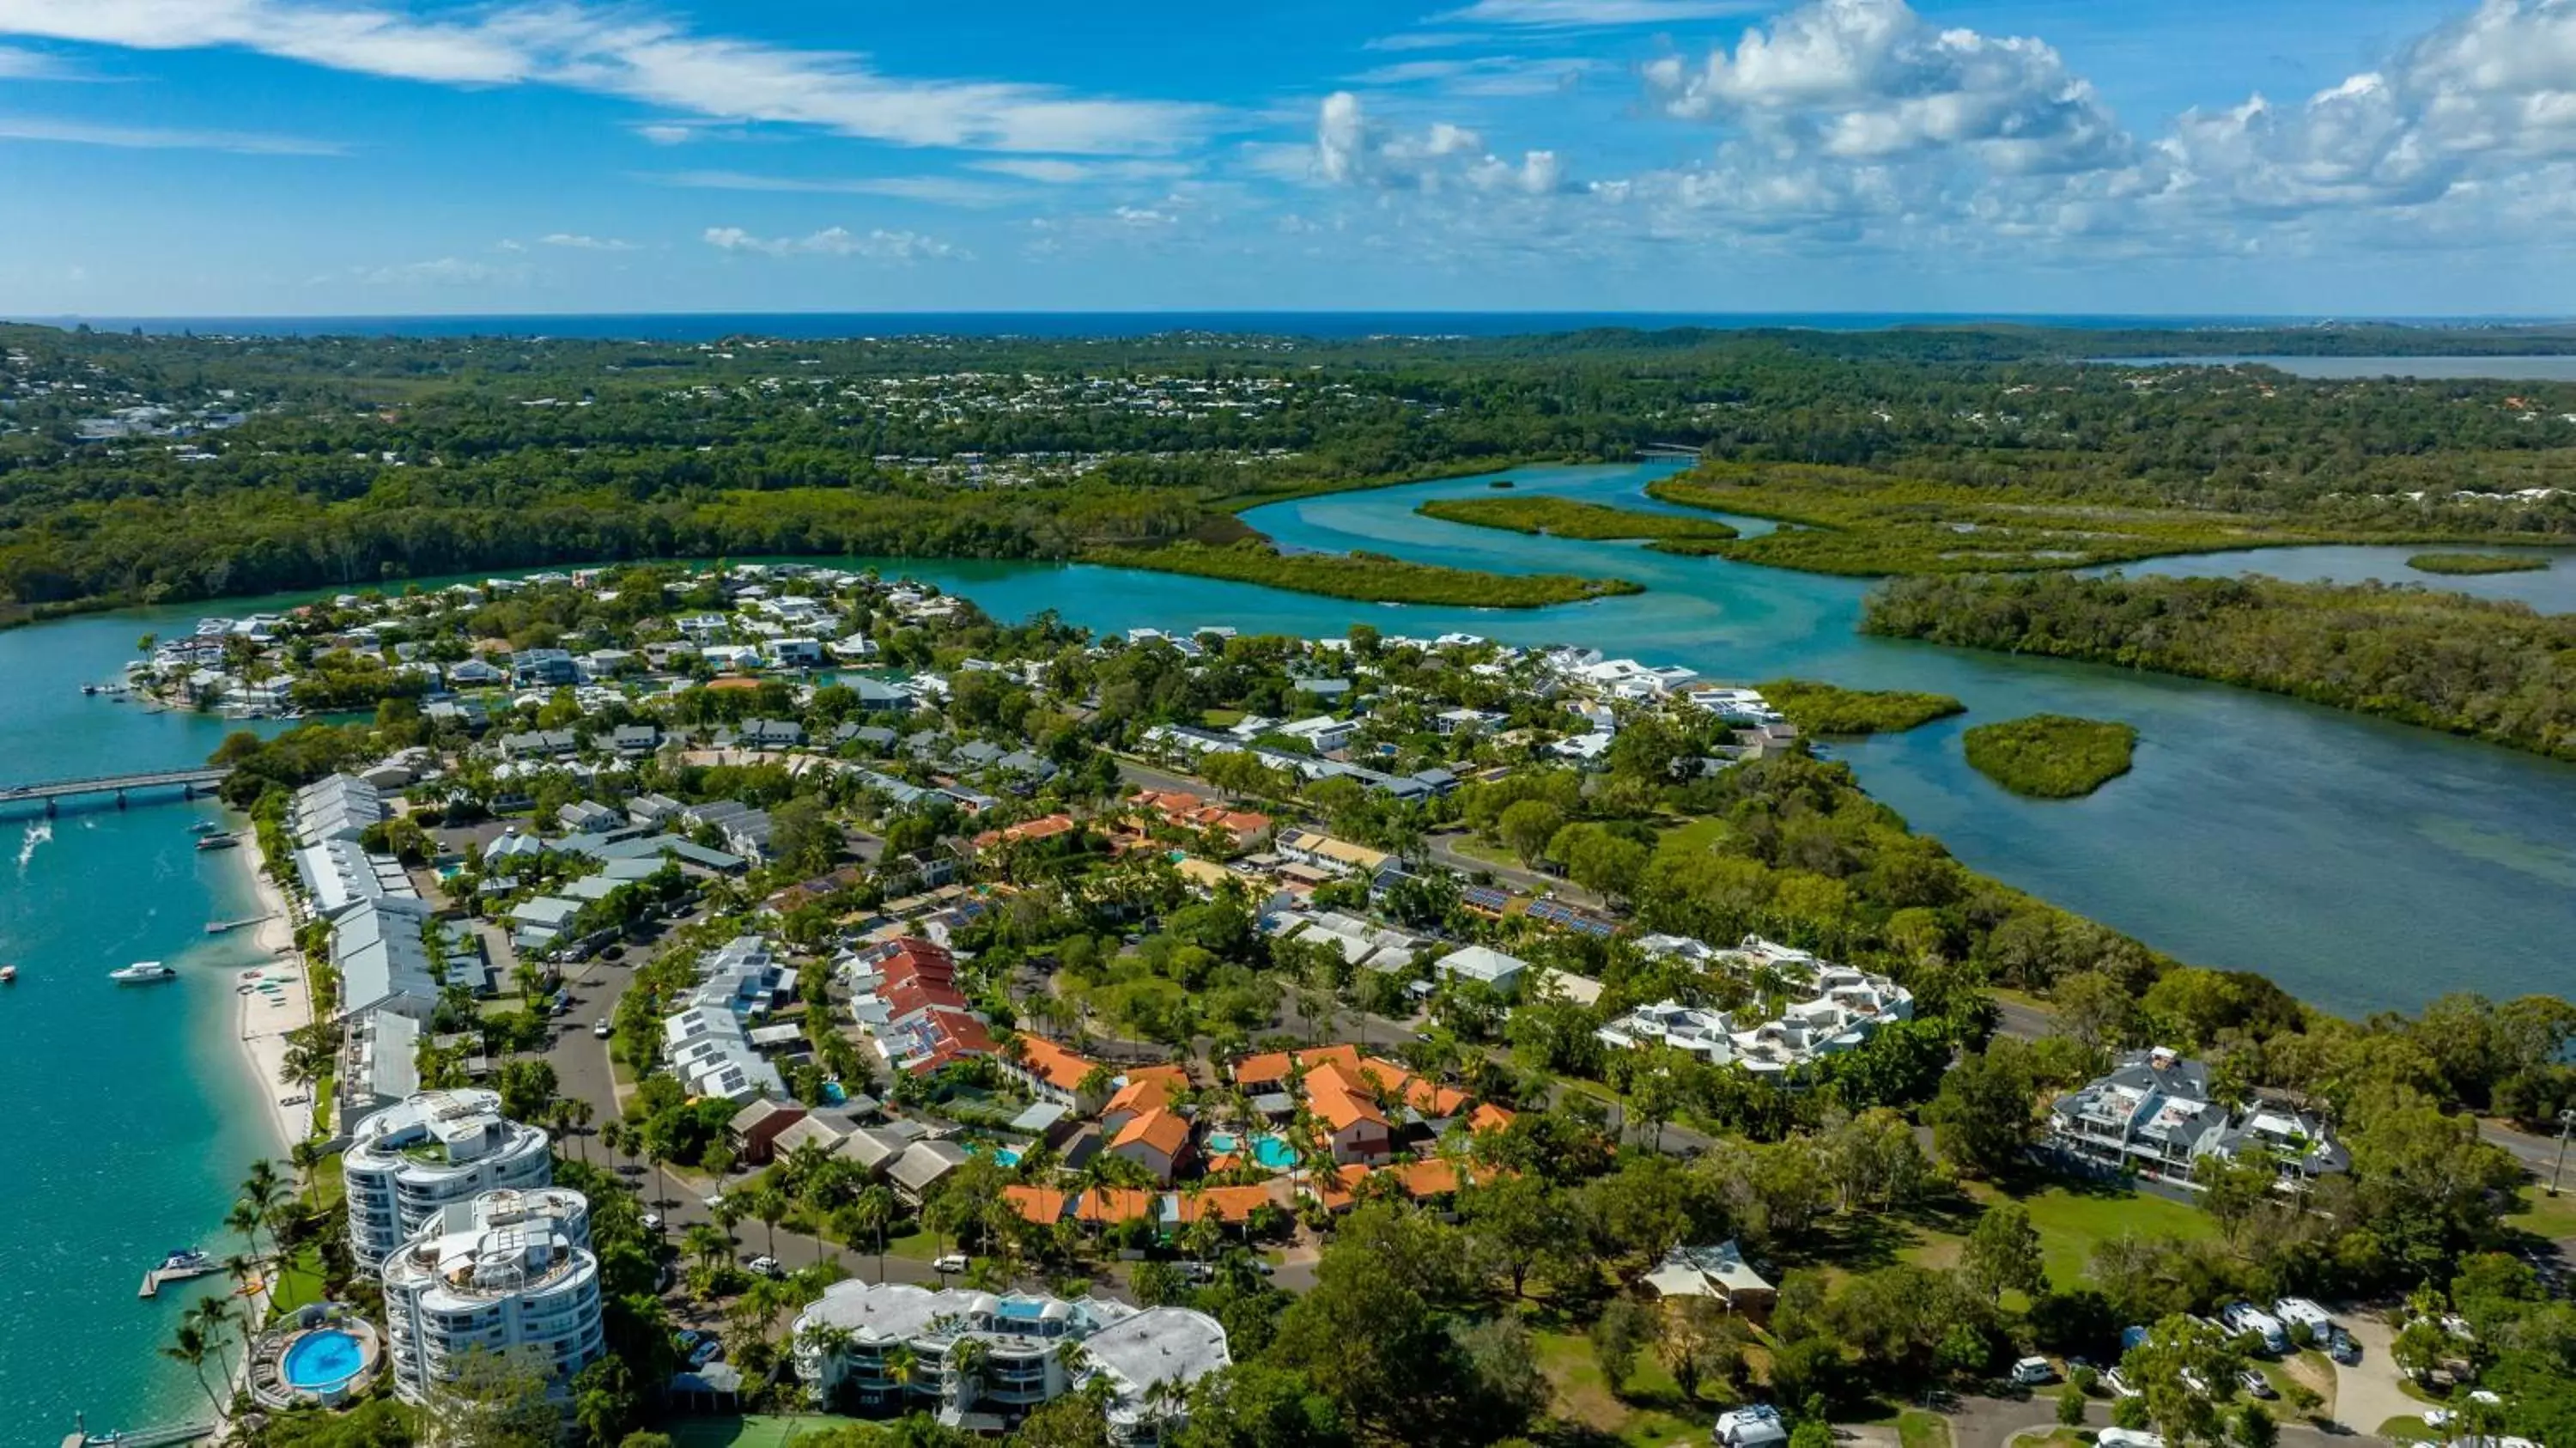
245,1220
770,1205
188,1345
875,1211
965,1362
212,1315
902,1365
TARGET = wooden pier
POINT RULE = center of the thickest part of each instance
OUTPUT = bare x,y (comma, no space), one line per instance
153,1280
162,1437
222,927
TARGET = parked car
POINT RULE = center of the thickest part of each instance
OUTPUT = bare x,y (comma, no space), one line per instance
2030,1372
2119,1385
706,1352
689,1338
652,1221
2343,1348
766,1267
951,1262
2257,1384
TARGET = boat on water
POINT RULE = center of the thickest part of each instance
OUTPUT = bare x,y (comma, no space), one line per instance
204,827
218,842
8,975
142,972
181,1261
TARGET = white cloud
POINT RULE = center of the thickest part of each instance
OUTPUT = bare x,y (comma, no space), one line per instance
877,245
666,133
626,53
940,190
155,138
1055,171
1577,14
1870,80
18,64
575,242
1351,150
1483,76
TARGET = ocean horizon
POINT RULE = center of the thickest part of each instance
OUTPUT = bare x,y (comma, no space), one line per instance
1321,325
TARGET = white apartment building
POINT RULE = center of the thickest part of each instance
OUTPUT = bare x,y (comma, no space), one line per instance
409,1162
1807,1008
508,1271
843,1342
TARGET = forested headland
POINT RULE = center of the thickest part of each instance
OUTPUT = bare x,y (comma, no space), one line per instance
2495,670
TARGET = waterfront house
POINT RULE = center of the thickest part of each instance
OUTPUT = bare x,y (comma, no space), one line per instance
408,1162
511,1268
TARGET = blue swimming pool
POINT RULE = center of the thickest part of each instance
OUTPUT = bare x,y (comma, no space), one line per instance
323,1361
1270,1149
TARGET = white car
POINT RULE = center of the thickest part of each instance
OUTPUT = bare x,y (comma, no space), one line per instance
765,1267
2030,1372
652,1221
601,1029
2119,1385
952,1262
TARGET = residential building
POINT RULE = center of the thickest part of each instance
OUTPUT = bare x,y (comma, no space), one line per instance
383,961
2153,1116
337,874
755,1130
338,808
406,1163
1130,1352
1053,1073
1488,967
507,1271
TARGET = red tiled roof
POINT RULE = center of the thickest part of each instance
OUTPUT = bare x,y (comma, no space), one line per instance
1053,1064
1038,1204
1164,1131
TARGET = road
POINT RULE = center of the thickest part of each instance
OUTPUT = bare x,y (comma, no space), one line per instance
1982,1422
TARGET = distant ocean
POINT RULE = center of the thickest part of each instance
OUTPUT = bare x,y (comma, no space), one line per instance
703,326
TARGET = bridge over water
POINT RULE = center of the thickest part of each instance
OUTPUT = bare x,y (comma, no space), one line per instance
51,793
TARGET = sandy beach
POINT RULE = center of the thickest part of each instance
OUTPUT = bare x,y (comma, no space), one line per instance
263,1017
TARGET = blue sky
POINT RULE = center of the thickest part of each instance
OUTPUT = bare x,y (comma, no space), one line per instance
255,157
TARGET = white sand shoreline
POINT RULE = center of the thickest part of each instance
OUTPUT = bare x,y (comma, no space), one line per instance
262,1019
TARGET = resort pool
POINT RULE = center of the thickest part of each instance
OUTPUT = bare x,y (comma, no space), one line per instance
1271,1150
323,1361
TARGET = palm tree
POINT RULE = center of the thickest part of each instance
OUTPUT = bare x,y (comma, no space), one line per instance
770,1205
212,1315
188,1345
875,1211
964,1365
245,1220
1074,1358
1163,1403
241,1270
902,1365
823,1341
705,1243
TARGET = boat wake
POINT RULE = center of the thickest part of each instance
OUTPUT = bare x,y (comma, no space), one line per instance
37,834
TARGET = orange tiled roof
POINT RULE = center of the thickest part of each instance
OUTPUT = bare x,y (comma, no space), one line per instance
1038,1204
1148,1088
1337,1105
1162,1130
1226,1204
1105,1206
1277,1065
1488,1117
1053,1064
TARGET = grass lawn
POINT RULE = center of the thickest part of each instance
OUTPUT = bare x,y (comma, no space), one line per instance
300,1283
759,1430
1652,1413
914,1246
1920,1429
1694,838
1220,718
2072,1220
1472,848
2545,1216
2408,1430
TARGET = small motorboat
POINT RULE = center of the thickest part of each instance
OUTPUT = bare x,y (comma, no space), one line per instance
218,842
142,972
8,975
187,1259
204,827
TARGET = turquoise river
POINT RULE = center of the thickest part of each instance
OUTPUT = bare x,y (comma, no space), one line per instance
2363,865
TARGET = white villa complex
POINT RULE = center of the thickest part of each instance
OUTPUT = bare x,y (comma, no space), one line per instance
507,1271
1822,1008
407,1163
2153,1116
1017,1362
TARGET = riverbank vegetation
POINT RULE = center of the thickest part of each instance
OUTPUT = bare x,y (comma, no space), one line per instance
2470,564
1364,577
1871,524
1818,708
2496,670
2052,756
1570,518
136,468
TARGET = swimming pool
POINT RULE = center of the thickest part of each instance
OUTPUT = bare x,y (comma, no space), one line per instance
322,1362
1270,1149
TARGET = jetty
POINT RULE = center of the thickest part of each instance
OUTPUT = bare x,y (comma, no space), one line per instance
154,1280
221,927
52,792
160,1437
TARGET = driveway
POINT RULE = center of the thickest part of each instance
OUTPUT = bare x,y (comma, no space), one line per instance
2367,1393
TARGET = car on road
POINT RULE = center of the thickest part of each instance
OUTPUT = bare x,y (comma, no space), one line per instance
652,1221
601,1028
715,1203
2256,1384
949,1262
2030,1372
766,1267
